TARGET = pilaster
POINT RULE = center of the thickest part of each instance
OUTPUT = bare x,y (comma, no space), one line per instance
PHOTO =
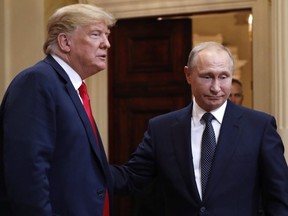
280,67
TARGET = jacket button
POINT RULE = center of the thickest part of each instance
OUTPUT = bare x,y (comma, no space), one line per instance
101,193
202,209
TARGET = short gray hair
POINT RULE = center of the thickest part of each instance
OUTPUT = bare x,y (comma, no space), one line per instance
207,45
68,18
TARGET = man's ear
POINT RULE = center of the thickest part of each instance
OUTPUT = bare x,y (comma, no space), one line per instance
64,42
187,74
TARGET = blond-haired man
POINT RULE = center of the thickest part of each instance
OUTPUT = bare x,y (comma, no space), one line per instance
53,161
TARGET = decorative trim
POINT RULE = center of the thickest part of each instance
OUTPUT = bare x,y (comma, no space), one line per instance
140,8
280,67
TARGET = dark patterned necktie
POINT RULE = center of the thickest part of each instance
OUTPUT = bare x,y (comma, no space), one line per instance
207,150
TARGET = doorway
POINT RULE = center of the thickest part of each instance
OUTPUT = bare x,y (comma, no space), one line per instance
146,78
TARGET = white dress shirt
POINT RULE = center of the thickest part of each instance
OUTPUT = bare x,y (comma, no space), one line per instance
72,74
197,128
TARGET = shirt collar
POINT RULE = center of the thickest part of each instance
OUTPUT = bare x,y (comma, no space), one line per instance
72,74
198,112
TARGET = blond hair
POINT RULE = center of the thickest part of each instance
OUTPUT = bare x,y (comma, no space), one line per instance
68,18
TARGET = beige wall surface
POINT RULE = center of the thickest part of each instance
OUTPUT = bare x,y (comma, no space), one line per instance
22,36
51,5
2,51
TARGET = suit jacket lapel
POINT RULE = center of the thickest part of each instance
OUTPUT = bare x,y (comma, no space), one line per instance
181,136
226,146
84,118
78,105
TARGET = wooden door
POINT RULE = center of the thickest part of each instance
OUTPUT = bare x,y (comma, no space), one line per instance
146,78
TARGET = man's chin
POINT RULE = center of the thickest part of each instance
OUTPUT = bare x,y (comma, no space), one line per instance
214,104
101,67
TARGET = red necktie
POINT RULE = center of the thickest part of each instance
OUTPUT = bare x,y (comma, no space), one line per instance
86,103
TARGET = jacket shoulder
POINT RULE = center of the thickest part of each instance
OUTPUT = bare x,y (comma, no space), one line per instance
185,112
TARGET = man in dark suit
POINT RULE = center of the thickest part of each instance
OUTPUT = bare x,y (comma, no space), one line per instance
52,158
248,162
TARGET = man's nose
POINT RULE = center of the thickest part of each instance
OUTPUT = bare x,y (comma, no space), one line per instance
215,87
105,42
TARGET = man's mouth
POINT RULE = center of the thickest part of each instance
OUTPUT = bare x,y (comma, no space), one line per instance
214,97
102,56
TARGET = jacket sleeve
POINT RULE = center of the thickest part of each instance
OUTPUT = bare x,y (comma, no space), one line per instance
138,173
274,172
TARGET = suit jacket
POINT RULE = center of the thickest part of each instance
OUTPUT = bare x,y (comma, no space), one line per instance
249,163
51,162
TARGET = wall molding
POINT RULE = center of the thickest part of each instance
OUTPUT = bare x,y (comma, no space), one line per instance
139,8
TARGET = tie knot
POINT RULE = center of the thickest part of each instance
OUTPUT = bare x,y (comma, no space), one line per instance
83,88
207,117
